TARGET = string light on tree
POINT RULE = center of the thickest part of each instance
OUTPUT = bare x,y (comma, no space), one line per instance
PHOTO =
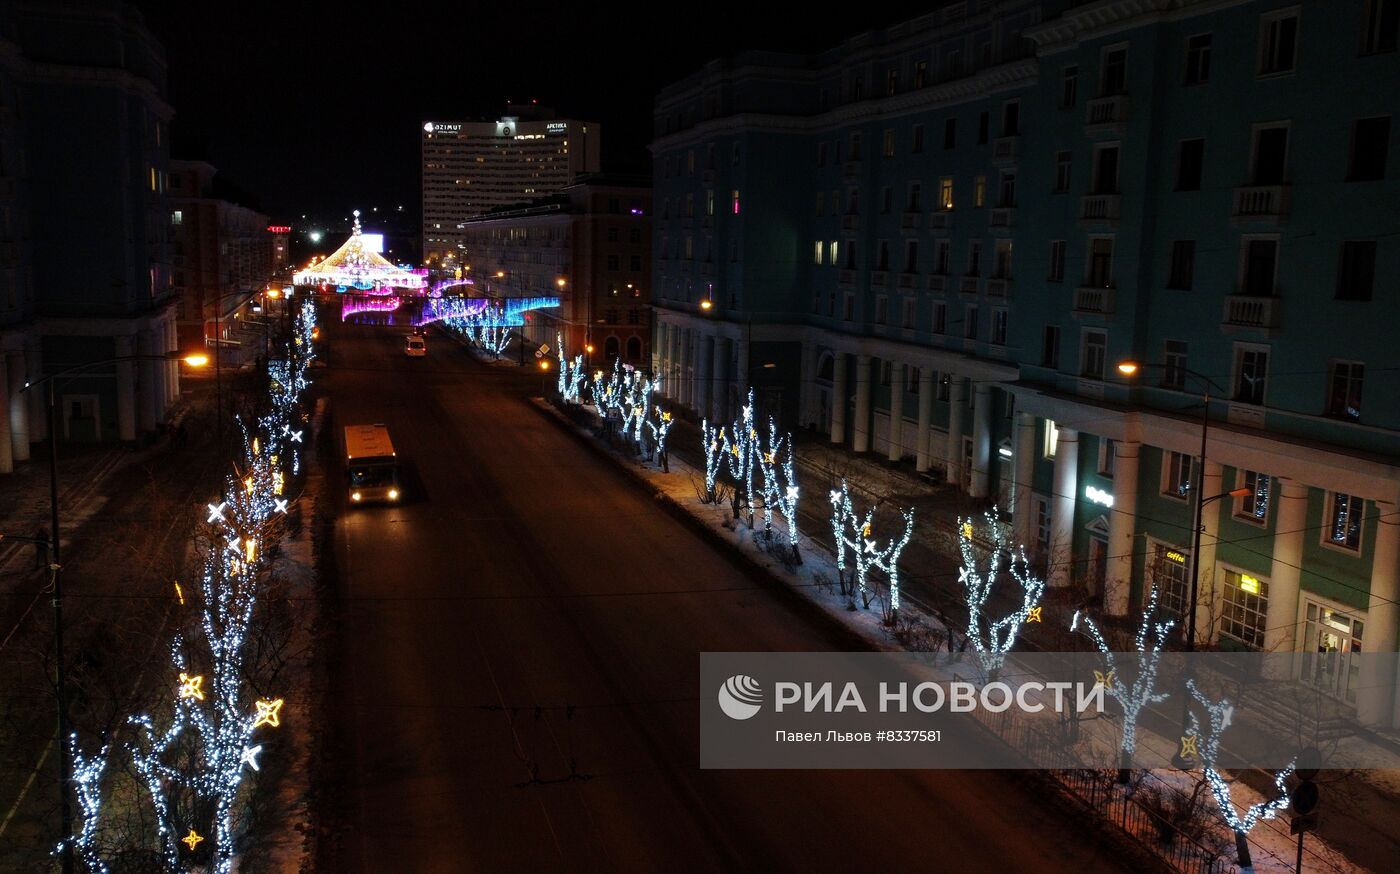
780,489
993,639
715,441
854,535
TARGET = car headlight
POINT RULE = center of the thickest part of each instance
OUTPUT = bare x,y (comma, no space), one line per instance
393,494
354,496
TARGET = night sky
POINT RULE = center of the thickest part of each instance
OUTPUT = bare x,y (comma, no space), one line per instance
315,109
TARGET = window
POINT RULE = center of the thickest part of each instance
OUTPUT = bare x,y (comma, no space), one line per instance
1106,456
914,204
945,193
1050,350
1001,260
886,200
832,250
882,255
734,156
1113,74
888,148
1344,393
1052,439
1008,189
917,147
819,250
920,74
1197,59
1370,140
1069,87
1379,26
734,201
940,257
1011,118
821,202
614,263
1062,168
1246,603
821,154
1251,373
634,263
612,235
634,235
999,323
944,382
1042,524
850,254
1183,264
1174,364
882,306
911,375
940,317
974,258
911,256
1169,575
1100,263
1270,155
1344,516
177,217
1176,474
1278,42
1056,272
1253,506
1190,162
970,322
849,307
984,123
1105,170
1260,258
979,192
892,83
1093,355
950,133
855,147
908,318
1356,270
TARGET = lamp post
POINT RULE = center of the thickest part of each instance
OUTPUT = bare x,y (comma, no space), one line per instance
65,768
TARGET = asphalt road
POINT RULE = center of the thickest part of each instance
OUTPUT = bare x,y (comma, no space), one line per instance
514,677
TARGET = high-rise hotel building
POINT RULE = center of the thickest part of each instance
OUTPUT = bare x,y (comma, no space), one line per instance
470,168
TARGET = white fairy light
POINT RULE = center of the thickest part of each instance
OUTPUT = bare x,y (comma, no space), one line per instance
1000,635
1133,698
741,455
780,488
715,440
855,534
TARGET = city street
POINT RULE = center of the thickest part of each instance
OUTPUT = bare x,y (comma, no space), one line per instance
514,672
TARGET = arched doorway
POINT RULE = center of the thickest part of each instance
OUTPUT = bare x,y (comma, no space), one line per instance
634,349
611,349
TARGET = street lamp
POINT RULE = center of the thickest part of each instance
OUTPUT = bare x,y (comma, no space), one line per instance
65,768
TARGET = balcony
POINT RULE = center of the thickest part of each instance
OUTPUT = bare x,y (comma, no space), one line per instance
1106,114
910,220
938,284
941,220
1100,208
1093,301
907,280
847,278
879,279
969,285
1244,311
1261,203
850,222
707,268
1002,217
1004,149
999,287
851,169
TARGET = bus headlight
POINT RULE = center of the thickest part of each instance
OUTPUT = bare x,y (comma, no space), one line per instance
393,494
354,496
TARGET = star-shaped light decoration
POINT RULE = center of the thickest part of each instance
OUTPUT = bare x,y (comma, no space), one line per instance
216,514
835,496
1102,679
1033,615
193,839
192,687
870,547
792,493
279,505
269,713
248,484
1188,746
296,436
1229,715
255,446
250,757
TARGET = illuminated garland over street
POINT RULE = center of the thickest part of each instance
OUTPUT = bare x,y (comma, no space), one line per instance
192,763
1142,692
1000,635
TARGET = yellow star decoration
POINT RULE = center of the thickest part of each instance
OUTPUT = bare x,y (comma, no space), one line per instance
192,839
734,451
665,417
769,457
866,530
1104,680
1188,746
255,446
192,687
1033,615
967,530
248,485
269,713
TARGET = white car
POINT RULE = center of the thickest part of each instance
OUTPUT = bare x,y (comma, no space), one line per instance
415,346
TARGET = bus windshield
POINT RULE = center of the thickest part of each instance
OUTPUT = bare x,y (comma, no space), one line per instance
370,475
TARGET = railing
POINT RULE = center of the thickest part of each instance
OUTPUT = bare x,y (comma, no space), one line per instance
906,280
1100,207
879,279
940,220
1251,312
1107,111
938,284
969,284
1093,300
1261,202
1004,149
850,221
852,169
998,287
910,220
1003,217
847,278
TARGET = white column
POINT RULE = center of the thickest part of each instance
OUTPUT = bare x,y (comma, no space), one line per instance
126,392
1122,526
704,380
896,430
687,369
7,458
1375,699
147,383
1064,501
838,399
1285,575
956,397
1023,511
658,355
18,411
674,359
860,436
981,440
1208,592
925,418
172,368
719,397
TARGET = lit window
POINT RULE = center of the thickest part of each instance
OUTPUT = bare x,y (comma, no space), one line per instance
1169,574
1254,505
1246,603
1176,474
1052,438
1344,522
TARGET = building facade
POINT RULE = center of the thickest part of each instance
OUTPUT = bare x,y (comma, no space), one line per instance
223,256
85,259
590,244
937,242
470,168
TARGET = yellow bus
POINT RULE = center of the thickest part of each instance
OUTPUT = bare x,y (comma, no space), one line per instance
371,465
